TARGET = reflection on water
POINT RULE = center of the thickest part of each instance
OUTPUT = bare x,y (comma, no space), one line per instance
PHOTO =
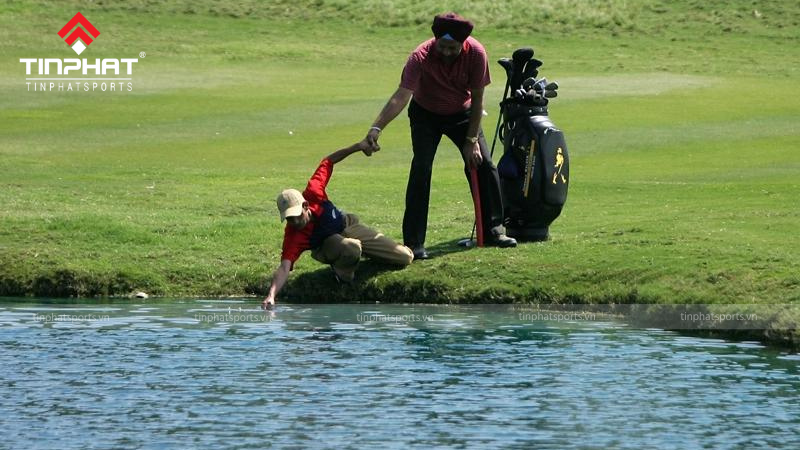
221,374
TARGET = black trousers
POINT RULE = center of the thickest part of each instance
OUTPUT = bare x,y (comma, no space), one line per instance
427,129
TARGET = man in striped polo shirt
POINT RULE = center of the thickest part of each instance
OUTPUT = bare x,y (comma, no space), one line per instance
446,76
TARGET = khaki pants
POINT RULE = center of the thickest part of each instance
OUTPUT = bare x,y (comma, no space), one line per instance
344,250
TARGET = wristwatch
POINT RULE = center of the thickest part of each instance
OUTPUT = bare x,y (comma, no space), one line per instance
472,140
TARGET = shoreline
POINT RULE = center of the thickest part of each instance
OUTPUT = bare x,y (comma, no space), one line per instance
777,326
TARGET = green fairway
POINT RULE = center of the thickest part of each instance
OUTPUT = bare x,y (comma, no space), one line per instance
683,141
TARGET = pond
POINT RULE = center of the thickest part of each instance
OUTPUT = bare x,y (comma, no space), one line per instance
224,374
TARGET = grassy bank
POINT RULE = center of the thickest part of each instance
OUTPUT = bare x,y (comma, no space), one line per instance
680,119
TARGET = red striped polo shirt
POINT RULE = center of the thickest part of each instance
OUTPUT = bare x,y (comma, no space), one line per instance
445,88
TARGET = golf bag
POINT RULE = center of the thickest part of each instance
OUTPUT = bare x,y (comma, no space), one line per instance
534,168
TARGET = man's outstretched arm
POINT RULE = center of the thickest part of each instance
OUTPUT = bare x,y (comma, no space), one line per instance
393,107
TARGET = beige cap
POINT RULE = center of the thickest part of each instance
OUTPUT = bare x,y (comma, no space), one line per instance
290,203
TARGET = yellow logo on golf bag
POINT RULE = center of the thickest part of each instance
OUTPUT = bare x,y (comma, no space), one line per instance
558,166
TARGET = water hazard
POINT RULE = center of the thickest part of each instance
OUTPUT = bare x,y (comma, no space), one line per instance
216,374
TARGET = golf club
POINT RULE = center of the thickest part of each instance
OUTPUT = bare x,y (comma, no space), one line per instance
508,65
531,68
528,83
520,57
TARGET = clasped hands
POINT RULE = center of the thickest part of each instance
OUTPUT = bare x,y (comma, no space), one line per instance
369,144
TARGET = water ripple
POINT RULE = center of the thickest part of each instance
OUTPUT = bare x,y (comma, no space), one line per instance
227,375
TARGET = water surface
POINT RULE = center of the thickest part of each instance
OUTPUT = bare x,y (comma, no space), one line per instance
219,374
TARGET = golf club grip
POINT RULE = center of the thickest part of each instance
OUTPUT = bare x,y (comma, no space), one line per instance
476,200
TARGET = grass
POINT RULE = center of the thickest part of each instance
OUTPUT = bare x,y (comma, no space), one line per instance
680,118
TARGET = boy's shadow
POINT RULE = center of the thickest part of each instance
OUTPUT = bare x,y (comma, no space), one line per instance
321,286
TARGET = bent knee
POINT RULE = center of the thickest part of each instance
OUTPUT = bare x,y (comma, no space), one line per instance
404,255
351,248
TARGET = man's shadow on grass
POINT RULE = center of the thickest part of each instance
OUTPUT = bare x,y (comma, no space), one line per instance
321,286
446,248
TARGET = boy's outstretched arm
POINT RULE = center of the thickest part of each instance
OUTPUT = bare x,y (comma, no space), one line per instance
278,280
362,146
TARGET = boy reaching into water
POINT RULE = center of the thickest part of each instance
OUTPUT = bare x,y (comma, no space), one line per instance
334,237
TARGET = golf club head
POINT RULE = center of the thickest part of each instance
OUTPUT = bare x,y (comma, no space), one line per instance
508,65
528,83
551,94
537,99
540,85
551,86
521,56
468,242
531,68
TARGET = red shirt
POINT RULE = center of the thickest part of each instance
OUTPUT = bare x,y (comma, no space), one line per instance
297,241
446,88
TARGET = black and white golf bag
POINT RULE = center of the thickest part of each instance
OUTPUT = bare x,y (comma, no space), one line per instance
534,168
